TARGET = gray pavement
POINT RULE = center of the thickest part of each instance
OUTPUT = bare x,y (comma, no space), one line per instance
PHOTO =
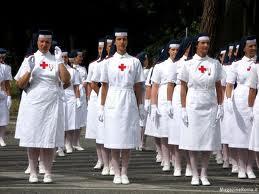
74,173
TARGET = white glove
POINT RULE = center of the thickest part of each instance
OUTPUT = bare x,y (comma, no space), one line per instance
31,63
142,113
169,109
230,105
251,114
185,117
101,113
9,102
220,113
154,114
58,55
147,106
78,103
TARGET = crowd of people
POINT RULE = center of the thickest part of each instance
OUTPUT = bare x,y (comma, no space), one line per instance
193,105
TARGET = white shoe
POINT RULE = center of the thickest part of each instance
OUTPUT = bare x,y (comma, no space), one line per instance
195,180
60,152
41,168
78,148
2,143
241,174
205,181
166,167
69,149
158,158
28,170
188,171
112,171
250,174
177,172
33,178
105,171
117,179
47,178
98,165
162,163
225,164
124,179
234,169
219,161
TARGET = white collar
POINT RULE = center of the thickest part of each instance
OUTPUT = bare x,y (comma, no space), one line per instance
117,55
245,58
199,58
42,54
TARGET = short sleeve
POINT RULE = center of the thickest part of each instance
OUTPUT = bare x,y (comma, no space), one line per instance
90,73
139,77
184,74
220,72
156,76
172,73
253,78
232,74
104,72
76,80
148,80
8,73
96,72
22,70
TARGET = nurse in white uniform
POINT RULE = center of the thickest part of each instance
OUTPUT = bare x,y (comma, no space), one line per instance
143,58
43,130
5,87
96,79
176,124
201,106
237,103
159,104
82,108
121,106
91,127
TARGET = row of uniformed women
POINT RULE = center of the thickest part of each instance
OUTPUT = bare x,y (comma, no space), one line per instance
5,99
176,114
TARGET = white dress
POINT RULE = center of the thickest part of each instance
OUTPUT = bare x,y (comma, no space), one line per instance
4,112
43,124
254,83
70,98
82,111
225,123
149,130
121,114
91,126
142,123
23,102
240,125
202,133
176,124
96,77
160,77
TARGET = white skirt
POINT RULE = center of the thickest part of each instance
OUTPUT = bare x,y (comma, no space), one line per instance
240,125
92,120
4,112
225,124
202,133
82,111
100,125
254,137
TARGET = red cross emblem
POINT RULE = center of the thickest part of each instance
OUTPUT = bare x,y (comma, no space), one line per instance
249,68
44,65
122,67
202,69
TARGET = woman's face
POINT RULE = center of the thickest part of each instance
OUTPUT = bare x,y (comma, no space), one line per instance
100,50
145,62
44,44
203,47
65,57
121,43
172,52
250,50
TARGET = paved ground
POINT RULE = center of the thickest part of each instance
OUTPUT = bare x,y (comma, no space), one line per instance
74,174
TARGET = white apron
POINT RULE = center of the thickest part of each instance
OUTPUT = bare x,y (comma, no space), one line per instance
203,132
43,126
240,125
4,112
121,115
